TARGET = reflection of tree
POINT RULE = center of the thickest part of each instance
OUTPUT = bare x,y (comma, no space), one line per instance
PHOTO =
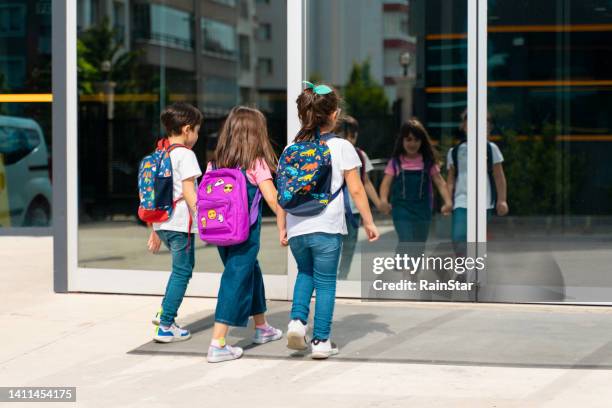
101,58
534,167
365,99
363,96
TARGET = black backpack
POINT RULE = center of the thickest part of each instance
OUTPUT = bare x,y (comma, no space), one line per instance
454,154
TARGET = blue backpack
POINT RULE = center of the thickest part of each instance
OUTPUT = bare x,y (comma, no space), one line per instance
304,177
155,186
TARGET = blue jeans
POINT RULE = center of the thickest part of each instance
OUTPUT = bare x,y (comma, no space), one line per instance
181,246
317,257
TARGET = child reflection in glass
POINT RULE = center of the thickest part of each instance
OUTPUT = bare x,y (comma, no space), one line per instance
407,187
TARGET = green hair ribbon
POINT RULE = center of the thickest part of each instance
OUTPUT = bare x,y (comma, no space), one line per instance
318,89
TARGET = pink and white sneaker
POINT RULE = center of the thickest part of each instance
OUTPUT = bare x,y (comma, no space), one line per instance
267,334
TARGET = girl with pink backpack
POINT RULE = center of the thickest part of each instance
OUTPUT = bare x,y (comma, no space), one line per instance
229,216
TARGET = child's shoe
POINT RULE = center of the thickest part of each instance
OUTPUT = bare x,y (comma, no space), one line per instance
267,334
321,349
225,353
296,335
156,320
171,334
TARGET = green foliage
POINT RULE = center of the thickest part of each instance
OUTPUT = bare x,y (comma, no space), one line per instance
537,173
98,46
362,95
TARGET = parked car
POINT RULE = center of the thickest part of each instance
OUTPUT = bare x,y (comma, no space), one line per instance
25,174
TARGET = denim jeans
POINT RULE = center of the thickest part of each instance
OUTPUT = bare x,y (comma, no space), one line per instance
317,257
349,242
181,246
242,293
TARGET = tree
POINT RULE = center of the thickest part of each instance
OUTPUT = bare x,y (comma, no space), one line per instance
101,58
363,96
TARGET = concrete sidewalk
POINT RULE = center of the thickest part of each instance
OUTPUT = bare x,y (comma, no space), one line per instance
84,340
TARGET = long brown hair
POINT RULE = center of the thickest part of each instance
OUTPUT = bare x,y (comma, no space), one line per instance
244,139
415,128
314,111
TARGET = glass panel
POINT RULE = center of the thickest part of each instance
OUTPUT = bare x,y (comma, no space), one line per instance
158,54
393,61
25,120
549,89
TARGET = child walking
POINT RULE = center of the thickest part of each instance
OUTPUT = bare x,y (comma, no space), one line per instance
244,143
457,184
182,124
409,176
315,236
347,127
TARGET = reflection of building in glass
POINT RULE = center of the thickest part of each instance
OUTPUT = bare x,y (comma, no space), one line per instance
548,77
343,33
205,51
214,54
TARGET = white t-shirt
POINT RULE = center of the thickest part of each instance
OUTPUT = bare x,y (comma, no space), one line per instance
184,166
460,200
331,220
368,168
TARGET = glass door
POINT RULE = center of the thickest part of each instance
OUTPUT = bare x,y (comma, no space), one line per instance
401,68
135,58
549,132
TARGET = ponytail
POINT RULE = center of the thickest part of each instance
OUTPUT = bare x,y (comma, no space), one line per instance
314,111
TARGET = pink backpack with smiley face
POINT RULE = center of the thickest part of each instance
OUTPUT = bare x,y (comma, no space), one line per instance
224,216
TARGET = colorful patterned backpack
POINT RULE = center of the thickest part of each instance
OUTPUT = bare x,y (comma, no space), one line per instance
304,177
155,186
224,216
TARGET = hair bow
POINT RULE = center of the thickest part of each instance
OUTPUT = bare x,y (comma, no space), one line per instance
318,89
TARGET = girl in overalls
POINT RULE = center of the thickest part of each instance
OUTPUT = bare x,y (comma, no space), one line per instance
244,143
409,176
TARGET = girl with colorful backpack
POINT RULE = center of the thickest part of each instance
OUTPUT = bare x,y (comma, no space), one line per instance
315,175
229,216
409,177
167,188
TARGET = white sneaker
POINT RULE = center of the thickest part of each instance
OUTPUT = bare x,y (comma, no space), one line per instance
225,353
323,349
296,335
171,334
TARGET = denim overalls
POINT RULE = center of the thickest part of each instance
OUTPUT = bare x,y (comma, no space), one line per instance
411,201
242,293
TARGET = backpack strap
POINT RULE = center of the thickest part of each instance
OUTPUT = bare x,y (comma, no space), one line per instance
254,210
362,171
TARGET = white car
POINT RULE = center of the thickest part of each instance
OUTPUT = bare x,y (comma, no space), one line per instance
25,182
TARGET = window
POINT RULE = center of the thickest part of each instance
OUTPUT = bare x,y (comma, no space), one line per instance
219,38
264,32
265,66
12,20
229,3
164,25
245,52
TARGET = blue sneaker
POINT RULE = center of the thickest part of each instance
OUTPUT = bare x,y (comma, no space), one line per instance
270,333
226,353
171,334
